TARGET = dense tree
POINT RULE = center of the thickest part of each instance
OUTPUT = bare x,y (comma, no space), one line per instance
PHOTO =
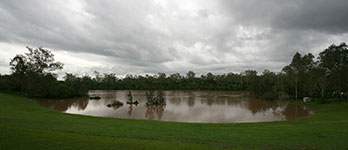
298,71
190,75
39,61
32,73
34,70
334,61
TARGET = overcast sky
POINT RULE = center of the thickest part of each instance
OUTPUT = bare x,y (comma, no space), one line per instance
151,36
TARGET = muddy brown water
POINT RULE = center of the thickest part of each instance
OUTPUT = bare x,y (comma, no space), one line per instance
182,106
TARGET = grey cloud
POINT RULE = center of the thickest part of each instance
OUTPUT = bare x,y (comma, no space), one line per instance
177,36
320,15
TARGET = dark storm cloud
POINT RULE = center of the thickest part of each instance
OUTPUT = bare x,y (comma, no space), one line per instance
298,25
174,36
320,15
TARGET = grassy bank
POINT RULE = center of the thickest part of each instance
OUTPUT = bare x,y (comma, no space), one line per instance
25,125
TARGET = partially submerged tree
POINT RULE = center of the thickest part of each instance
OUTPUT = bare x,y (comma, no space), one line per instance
130,97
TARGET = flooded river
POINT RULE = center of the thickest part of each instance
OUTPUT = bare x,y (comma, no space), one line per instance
182,106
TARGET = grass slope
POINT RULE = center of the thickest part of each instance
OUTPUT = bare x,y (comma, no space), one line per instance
25,125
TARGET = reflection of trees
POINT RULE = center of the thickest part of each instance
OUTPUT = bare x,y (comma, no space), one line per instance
116,107
207,100
280,109
105,94
151,111
81,104
234,102
63,105
220,101
210,100
130,110
216,100
159,100
191,99
291,112
260,106
176,100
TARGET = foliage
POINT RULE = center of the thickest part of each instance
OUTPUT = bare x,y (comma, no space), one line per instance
115,104
159,100
130,97
334,63
305,76
32,73
38,61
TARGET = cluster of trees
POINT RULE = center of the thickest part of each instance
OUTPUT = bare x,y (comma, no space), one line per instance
32,74
151,100
305,76
324,77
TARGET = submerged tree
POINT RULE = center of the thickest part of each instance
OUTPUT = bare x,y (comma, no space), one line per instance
130,97
160,98
151,100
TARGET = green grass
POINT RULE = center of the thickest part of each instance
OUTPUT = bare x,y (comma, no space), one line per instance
25,125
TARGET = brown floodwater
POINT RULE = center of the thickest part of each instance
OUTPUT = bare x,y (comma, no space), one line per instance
182,106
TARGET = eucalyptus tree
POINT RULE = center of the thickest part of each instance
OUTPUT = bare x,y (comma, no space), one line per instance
308,75
293,71
109,80
190,75
39,61
334,61
190,81
298,70
32,67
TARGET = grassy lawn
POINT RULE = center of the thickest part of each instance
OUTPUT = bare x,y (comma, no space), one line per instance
25,125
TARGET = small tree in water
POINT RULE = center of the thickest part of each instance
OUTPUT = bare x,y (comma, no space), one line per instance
130,97
160,98
155,101
149,98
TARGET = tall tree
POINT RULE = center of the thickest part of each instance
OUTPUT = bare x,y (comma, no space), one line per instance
298,69
33,66
38,61
190,75
334,60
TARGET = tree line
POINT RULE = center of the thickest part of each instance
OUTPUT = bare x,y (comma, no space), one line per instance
321,77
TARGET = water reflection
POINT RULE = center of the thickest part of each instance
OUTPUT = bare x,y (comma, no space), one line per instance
130,110
191,99
151,111
64,104
181,106
116,107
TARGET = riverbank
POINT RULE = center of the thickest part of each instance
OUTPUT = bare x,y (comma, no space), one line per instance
25,125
